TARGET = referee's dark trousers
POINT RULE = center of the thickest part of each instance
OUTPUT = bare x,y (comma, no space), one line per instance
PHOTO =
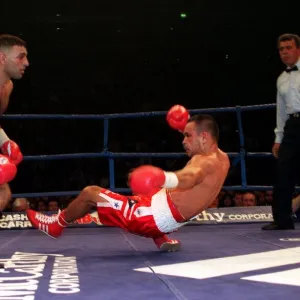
287,173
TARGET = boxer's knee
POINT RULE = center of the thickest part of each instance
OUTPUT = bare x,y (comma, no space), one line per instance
90,194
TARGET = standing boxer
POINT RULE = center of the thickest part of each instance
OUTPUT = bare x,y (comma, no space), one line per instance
13,62
162,201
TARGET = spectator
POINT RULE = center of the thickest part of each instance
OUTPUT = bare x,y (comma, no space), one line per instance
268,197
249,199
41,205
53,205
226,201
238,199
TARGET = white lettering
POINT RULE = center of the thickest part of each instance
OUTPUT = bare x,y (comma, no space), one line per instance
2,279
207,216
219,216
18,298
29,284
62,282
15,224
37,254
59,291
210,216
231,217
11,224
56,276
3,225
9,218
249,217
21,287
14,217
14,293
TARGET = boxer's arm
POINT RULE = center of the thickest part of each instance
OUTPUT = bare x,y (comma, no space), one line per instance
195,172
4,100
7,146
144,179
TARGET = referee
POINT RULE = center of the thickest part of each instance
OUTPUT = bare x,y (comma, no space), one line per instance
287,133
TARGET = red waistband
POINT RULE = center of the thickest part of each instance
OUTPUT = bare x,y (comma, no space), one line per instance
176,214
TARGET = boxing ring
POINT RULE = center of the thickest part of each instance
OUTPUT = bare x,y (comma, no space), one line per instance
224,254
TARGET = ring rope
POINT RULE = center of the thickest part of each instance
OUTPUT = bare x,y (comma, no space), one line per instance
130,155
133,115
238,157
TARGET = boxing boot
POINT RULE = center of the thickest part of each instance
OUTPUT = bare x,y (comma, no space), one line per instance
51,225
164,244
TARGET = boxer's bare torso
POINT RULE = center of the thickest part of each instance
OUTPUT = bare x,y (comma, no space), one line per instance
191,202
5,91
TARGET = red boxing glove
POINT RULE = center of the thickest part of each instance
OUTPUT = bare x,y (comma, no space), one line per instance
10,148
8,170
12,151
177,117
145,179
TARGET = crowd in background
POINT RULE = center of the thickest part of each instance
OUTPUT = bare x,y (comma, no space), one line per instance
224,199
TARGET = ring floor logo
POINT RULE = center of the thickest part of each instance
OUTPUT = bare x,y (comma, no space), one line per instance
211,268
22,273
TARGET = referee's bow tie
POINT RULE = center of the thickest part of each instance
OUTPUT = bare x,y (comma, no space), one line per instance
295,68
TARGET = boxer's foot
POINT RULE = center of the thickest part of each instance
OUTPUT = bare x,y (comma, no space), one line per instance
51,225
164,244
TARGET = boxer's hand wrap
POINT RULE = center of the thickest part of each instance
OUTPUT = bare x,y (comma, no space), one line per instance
171,180
146,179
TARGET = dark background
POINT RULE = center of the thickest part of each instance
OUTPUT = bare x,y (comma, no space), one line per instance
97,57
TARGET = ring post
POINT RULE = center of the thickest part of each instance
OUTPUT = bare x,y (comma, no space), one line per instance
242,146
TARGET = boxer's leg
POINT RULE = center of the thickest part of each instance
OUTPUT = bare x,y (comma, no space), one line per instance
167,219
78,208
83,203
5,197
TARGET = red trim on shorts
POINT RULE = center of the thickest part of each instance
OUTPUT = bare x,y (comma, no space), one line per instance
174,210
